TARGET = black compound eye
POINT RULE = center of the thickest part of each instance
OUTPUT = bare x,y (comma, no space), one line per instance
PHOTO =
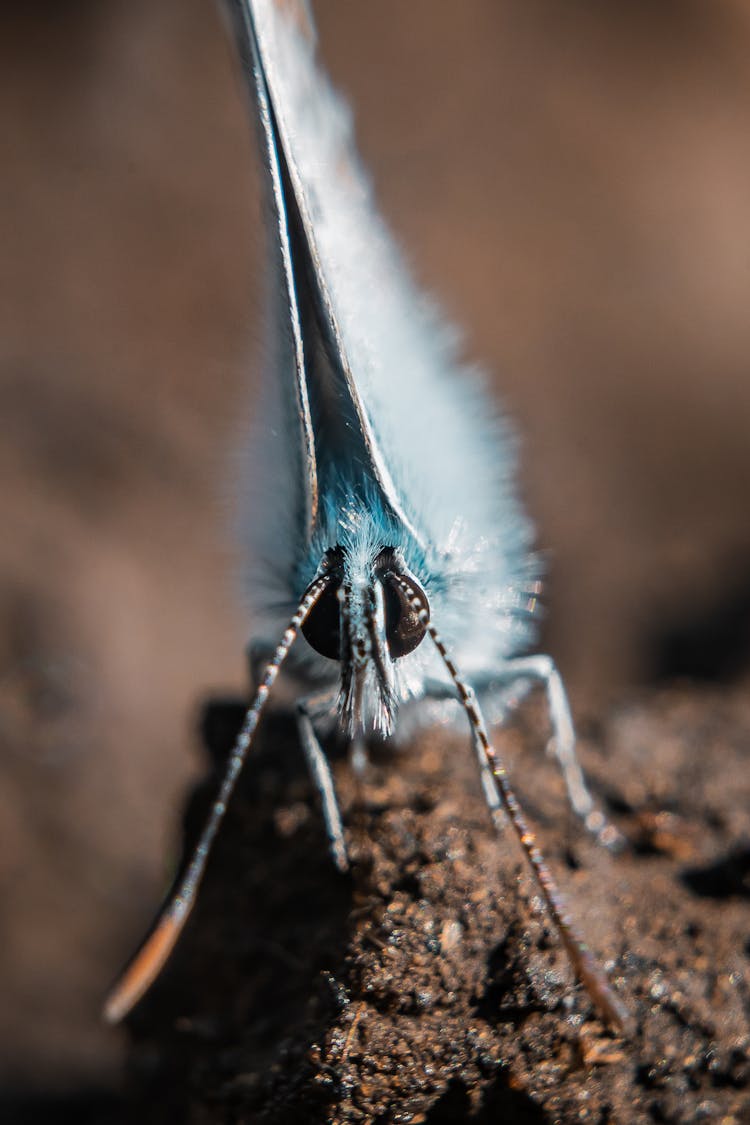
404,626
322,626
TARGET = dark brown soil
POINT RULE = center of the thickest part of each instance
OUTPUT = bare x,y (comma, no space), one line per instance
428,987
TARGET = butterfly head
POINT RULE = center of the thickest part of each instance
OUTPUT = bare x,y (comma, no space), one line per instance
372,613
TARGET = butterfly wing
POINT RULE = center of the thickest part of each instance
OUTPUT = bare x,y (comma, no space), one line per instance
394,416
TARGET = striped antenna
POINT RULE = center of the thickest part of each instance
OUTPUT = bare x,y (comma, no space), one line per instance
581,958
154,953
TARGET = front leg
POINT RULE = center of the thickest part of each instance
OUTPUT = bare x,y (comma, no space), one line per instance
306,710
320,772
438,691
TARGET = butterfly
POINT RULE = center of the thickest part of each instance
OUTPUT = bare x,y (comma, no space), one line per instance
387,560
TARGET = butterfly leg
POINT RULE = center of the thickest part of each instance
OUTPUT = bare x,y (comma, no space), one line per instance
320,772
562,744
306,710
438,692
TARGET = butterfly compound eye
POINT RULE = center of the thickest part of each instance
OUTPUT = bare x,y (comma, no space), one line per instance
322,627
404,625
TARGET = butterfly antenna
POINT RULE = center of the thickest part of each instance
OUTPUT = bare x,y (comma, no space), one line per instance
153,954
581,958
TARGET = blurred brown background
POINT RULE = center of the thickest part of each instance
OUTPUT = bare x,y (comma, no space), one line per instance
571,178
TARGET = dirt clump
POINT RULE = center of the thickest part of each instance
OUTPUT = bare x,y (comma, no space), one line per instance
428,985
